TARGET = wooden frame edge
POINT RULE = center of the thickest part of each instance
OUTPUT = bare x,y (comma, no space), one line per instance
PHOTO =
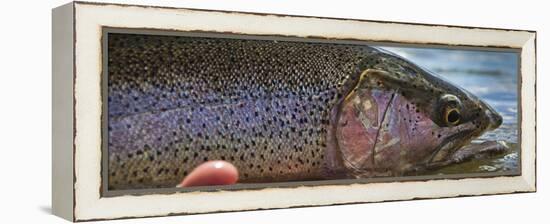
530,182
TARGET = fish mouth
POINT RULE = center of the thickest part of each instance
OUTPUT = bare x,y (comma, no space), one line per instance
463,136
450,145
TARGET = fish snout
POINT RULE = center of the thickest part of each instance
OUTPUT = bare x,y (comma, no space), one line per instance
494,119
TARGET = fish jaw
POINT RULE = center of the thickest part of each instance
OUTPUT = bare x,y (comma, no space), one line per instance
422,141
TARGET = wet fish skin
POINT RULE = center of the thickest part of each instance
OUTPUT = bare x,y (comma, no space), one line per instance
269,107
179,102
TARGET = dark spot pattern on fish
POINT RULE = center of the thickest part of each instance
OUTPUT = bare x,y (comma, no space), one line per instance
209,93
269,107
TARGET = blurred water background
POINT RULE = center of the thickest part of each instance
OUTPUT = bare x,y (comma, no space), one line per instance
491,76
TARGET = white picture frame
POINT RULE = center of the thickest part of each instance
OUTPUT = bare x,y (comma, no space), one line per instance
77,110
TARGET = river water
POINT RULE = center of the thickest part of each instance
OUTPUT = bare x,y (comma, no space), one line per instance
490,75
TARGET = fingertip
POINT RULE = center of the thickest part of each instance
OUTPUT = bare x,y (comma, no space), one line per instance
215,172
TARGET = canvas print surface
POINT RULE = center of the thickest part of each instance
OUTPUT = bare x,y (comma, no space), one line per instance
287,110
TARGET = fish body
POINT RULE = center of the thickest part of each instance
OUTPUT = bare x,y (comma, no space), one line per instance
277,110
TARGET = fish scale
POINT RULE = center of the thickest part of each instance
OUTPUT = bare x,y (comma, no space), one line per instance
278,110
175,102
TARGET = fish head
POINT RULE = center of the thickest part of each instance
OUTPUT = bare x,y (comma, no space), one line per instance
399,116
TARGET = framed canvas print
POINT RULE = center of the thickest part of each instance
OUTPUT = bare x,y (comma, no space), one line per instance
159,111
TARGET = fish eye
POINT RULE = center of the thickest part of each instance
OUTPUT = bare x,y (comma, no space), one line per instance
452,116
451,109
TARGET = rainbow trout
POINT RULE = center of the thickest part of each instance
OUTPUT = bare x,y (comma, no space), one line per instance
277,110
